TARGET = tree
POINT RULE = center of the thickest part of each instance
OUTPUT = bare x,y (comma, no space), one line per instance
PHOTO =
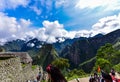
61,63
117,67
109,53
75,73
106,51
103,64
107,56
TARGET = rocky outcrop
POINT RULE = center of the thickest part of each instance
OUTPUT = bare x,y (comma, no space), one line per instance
11,70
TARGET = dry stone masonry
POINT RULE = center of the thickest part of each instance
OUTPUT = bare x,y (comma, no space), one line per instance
11,70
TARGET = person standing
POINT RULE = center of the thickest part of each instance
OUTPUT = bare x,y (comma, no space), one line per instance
55,74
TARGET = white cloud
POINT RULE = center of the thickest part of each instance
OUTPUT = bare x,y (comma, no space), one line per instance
107,4
53,27
52,31
83,33
12,4
107,24
42,6
37,10
61,3
30,44
11,28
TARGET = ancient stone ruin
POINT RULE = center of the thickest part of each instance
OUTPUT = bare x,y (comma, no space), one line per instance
12,69
24,56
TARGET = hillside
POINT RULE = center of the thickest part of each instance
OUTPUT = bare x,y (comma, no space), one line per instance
85,49
78,50
45,56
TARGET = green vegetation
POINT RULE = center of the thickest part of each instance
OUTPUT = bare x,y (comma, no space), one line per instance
75,73
61,63
87,66
45,56
117,44
117,67
107,57
88,61
23,65
34,67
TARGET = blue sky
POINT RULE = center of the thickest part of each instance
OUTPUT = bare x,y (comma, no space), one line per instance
51,19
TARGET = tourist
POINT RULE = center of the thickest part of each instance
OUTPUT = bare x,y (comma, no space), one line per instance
54,74
39,76
77,80
91,78
113,75
106,77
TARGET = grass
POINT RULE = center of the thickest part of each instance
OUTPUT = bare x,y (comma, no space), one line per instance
23,65
76,76
34,67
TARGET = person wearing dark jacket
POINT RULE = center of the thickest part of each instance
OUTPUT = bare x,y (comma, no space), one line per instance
54,74
106,77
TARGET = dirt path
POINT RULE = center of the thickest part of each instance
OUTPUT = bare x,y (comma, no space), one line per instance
86,79
118,75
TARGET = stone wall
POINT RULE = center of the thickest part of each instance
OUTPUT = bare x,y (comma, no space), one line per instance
11,70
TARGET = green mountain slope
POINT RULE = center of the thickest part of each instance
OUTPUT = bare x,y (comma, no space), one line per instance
83,50
46,55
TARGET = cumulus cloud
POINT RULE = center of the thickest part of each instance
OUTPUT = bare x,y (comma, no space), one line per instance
11,29
107,4
107,24
103,26
12,4
51,31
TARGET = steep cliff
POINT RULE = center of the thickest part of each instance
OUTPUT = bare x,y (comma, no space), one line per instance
83,50
45,56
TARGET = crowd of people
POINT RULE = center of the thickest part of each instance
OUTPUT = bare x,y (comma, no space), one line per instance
55,75
104,77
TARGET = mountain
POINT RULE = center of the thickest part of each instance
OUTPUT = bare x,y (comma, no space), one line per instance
59,46
31,46
45,56
83,50
117,44
80,51
14,45
98,35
